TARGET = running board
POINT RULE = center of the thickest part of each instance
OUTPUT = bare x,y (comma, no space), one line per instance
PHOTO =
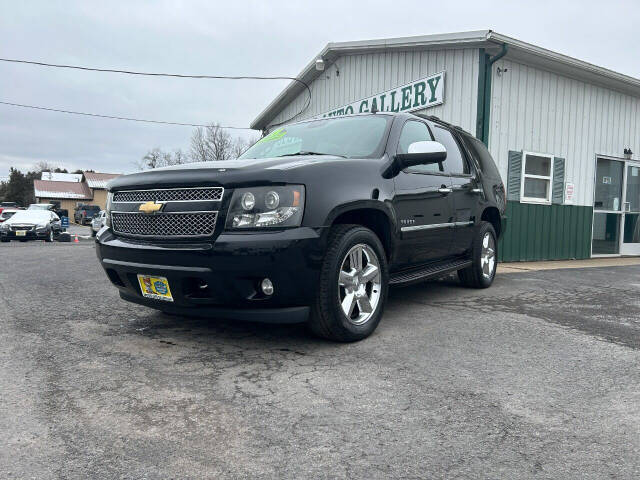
422,273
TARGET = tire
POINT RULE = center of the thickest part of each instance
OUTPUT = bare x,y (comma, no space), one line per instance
346,244
484,256
93,232
4,240
49,238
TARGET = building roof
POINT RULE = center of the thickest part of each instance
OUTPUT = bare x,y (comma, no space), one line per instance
99,180
491,41
61,177
55,189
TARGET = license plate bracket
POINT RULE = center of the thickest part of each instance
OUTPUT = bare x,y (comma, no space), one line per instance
156,287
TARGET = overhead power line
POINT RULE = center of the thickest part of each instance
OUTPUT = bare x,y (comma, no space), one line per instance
173,75
113,117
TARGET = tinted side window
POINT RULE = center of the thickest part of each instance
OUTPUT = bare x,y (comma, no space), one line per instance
416,132
482,155
456,164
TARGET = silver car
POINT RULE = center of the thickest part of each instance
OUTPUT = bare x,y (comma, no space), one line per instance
97,222
31,225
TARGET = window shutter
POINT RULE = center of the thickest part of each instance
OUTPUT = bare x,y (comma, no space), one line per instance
514,175
558,180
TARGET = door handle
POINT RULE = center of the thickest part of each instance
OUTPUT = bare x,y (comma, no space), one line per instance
476,190
445,190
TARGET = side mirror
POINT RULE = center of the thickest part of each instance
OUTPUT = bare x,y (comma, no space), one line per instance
421,153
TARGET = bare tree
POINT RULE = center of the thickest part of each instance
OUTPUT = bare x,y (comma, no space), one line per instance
198,146
179,157
157,158
240,145
211,143
207,144
44,166
152,159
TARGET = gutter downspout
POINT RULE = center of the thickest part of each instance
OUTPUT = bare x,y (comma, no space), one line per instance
484,92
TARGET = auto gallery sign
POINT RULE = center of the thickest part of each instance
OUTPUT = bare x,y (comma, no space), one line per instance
416,95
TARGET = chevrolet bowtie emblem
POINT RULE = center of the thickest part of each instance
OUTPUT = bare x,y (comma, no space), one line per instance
151,207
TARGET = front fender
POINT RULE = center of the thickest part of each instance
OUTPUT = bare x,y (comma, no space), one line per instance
379,205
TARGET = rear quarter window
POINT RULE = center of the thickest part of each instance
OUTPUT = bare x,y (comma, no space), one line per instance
482,156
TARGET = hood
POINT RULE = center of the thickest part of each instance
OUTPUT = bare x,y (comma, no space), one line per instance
29,217
233,173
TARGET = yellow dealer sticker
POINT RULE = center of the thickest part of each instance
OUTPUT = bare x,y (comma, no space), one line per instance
155,287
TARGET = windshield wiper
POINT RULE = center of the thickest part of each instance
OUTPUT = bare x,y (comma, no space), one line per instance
306,152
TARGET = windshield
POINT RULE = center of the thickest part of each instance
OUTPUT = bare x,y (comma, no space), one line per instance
39,206
31,216
91,208
351,137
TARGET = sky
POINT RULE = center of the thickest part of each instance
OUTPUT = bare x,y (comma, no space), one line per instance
230,38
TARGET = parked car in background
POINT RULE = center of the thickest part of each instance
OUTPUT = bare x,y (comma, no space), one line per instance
35,224
61,212
41,206
84,213
4,205
52,207
97,222
7,213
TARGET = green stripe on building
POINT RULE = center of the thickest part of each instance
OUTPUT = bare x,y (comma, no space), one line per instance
546,232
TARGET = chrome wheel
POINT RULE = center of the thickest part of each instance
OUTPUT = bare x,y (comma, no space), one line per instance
359,283
488,256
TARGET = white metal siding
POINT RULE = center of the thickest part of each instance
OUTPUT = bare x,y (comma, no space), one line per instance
367,74
535,110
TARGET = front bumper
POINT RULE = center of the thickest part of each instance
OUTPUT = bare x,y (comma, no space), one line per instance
30,235
222,278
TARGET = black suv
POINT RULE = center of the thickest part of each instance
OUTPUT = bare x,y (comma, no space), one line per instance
313,223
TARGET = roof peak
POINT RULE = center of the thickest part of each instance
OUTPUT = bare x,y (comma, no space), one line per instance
490,40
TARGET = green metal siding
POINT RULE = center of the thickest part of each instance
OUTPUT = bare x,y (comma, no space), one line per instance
546,232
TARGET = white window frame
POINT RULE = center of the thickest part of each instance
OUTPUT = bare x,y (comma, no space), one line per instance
523,198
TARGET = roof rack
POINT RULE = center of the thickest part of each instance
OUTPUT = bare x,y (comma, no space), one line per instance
433,118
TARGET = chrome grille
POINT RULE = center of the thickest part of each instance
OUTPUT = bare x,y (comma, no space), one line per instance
170,195
16,227
179,224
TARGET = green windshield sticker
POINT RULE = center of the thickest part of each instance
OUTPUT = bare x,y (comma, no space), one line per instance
275,135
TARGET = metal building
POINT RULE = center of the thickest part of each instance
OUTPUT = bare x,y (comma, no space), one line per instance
563,132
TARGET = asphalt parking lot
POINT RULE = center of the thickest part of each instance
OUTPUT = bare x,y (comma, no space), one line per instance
536,377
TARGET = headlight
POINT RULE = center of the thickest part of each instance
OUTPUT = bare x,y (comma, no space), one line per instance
107,210
262,207
4,226
41,226
248,201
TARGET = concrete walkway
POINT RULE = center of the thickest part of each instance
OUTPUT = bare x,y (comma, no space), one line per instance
516,267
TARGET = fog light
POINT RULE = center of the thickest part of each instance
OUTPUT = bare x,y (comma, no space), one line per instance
267,287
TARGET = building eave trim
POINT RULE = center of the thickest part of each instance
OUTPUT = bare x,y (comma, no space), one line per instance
488,39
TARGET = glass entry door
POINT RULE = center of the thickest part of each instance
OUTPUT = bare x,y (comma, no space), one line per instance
607,207
631,211
616,208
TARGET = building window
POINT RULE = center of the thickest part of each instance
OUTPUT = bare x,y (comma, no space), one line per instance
537,172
